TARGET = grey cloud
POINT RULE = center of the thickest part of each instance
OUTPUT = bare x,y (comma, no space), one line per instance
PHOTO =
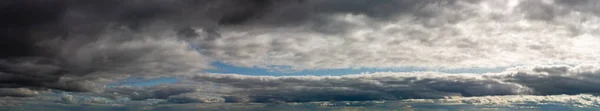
18,92
586,6
537,9
522,102
81,41
316,10
380,86
547,80
523,80
45,41
163,91
516,101
231,88
195,98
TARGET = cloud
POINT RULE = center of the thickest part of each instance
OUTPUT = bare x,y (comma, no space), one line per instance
522,80
514,87
485,102
18,92
81,45
165,91
107,58
447,34
44,42
232,88
559,79
195,98
377,86
522,101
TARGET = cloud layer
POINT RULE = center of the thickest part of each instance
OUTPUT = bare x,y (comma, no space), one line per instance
554,102
522,101
232,88
49,43
523,80
516,87
76,45
425,33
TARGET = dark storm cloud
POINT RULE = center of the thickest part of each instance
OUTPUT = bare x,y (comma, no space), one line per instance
318,13
21,19
44,41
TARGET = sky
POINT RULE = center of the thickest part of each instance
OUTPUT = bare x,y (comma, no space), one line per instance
164,53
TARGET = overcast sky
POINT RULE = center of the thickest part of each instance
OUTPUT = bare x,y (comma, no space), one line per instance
273,51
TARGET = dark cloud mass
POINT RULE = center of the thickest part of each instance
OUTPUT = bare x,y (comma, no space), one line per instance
44,41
